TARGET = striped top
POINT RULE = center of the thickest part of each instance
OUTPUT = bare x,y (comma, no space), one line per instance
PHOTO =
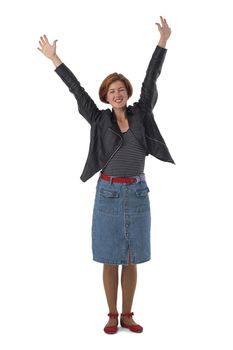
129,160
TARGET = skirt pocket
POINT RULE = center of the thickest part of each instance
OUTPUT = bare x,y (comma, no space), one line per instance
142,192
108,201
142,200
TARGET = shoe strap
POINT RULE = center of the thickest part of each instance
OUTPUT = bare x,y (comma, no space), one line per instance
111,315
129,314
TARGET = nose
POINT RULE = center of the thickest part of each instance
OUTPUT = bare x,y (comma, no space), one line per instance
119,94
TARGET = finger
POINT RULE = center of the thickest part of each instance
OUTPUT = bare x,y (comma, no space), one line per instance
39,49
162,20
55,42
46,39
42,40
165,23
42,44
159,26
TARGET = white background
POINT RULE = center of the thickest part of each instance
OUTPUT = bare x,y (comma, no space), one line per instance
51,291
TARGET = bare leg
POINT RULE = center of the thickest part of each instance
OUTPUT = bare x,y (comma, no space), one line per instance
110,279
128,284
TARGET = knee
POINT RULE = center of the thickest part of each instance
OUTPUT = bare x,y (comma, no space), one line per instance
109,267
130,267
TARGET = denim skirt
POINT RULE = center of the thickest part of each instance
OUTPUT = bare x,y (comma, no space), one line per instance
121,222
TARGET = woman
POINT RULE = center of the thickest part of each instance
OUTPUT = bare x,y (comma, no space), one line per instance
120,140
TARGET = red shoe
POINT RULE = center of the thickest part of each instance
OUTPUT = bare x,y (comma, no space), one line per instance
111,329
134,327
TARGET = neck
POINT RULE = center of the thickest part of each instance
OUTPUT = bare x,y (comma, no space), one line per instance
120,114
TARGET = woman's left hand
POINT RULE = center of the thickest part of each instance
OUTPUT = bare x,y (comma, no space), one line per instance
165,31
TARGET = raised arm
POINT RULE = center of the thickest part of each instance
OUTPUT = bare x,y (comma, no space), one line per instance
149,93
86,106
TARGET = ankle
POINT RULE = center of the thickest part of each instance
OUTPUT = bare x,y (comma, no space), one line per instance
127,314
112,314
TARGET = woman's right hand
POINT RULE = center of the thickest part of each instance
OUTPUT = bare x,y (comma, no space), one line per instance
46,48
49,50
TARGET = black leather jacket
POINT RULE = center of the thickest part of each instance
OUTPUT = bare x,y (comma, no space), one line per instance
106,139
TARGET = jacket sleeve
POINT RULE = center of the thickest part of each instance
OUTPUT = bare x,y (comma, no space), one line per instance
86,106
149,92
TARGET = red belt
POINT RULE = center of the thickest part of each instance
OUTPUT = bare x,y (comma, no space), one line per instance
118,179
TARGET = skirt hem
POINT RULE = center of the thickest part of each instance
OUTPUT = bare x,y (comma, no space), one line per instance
104,261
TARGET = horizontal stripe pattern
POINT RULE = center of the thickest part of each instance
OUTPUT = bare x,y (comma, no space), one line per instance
129,160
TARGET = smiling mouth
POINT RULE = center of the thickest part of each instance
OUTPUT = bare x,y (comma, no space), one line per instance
118,100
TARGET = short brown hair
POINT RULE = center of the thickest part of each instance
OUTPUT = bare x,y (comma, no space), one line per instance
111,78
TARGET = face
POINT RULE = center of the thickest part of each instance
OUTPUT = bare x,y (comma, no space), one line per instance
117,94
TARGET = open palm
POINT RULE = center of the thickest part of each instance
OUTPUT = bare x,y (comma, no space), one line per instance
46,48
